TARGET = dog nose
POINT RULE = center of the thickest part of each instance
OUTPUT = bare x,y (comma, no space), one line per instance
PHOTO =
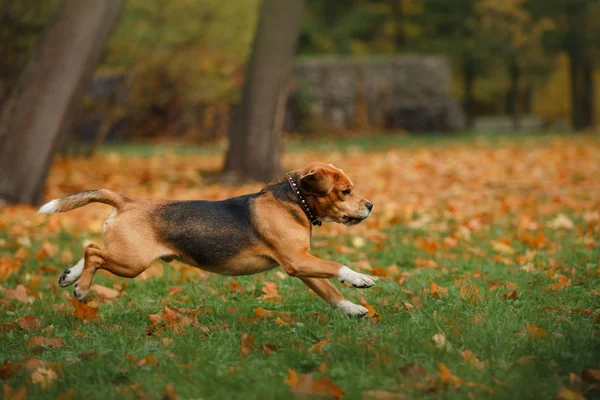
369,205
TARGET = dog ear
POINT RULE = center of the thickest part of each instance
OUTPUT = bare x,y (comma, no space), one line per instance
316,182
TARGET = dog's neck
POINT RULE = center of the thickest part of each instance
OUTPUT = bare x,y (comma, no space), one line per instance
302,201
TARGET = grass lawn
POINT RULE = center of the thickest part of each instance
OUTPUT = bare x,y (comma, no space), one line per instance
489,286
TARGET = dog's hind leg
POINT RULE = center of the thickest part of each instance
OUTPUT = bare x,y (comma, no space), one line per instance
328,292
96,259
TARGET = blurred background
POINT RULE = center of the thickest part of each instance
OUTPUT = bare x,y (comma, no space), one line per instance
244,74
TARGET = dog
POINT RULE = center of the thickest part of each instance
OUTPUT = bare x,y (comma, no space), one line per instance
238,236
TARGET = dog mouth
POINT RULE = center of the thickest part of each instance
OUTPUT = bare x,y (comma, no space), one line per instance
348,220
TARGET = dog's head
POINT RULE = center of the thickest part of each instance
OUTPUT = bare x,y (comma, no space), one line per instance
333,196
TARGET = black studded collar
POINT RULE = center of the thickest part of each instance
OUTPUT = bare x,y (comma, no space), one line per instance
302,202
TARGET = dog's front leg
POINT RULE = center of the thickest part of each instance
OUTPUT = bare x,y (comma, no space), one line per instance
332,295
305,265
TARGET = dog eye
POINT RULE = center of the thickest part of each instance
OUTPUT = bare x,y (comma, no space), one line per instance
346,192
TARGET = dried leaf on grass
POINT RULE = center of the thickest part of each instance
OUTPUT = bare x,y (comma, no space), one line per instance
41,341
29,323
84,311
306,385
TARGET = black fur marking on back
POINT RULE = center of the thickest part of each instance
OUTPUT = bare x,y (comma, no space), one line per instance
211,232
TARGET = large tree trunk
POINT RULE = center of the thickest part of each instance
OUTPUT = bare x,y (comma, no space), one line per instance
574,75
255,133
588,95
512,96
49,95
469,76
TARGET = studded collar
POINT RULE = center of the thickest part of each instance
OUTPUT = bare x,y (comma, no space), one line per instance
302,202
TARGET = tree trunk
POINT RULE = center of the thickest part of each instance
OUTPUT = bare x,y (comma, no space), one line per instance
255,133
587,95
49,95
574,74
469,91
512,97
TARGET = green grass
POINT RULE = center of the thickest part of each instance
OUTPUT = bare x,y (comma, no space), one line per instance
362,355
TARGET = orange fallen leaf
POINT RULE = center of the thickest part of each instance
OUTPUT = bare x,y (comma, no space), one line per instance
14,394
29,323
472,359
305,385
41,341
84,311
435,290
19,293
535,331
511,296
447,377
271,293
317,348
173,290
246,344
261,313
372,313
44,377
104,292
148,360
170,393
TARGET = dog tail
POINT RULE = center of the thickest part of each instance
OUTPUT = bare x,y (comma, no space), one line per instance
81,199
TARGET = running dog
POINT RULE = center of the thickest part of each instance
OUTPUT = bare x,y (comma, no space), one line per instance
238,236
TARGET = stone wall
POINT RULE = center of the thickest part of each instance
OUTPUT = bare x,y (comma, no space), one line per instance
402,92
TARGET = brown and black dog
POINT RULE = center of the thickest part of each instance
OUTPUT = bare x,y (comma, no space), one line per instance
239,236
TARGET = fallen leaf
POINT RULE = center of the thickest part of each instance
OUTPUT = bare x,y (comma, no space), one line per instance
305,385
435,290
502,247
41,341
561,222
84,311
535,331
470,357
170,393
317,348
173,290
447,378
20,294
29,323
44,377
271,293
510,296
14,394
372,313
246,344
104,292
148,360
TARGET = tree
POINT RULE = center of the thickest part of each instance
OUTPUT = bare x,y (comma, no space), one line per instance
514,38
255,134
576,34
45,101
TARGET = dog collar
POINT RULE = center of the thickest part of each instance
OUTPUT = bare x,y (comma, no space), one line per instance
303,203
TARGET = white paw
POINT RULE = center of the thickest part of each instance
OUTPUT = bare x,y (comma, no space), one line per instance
79,294
69,276
350,308
354,278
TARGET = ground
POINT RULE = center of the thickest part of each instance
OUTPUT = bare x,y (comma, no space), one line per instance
487,252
